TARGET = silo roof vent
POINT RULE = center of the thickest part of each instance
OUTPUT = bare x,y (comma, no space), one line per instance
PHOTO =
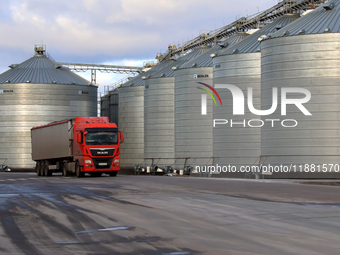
13,66
235,51
224,45
286,33
328,6
278,27
40,50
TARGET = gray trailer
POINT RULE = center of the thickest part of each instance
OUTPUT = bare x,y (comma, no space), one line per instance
52,145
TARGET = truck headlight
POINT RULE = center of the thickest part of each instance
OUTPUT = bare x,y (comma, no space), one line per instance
87,161
117,161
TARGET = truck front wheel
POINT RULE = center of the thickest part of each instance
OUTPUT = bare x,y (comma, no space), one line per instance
113,174
78,172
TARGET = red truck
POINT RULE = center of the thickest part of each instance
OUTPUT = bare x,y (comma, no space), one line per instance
81,145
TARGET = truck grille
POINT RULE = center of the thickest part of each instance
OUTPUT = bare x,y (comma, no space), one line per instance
103,163
102,152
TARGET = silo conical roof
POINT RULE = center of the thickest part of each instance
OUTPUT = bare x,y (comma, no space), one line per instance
251,43
168,71
138,80
324,19
40,69
204,60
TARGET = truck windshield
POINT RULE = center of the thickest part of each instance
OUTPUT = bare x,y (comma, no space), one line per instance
101,138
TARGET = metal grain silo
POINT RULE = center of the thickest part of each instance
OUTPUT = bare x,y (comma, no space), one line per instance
193,131
109,106
305,54
114,106
34,93
105,106
159,125
131,118
240,65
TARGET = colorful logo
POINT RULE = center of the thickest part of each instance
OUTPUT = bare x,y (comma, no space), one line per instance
204,97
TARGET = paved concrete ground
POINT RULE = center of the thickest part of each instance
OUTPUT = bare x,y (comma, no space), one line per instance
166,215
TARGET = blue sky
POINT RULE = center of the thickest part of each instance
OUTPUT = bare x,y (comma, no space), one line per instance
126,32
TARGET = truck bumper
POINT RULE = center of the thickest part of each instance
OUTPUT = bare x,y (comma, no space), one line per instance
93,167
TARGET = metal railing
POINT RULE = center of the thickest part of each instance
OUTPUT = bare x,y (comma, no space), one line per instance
244,24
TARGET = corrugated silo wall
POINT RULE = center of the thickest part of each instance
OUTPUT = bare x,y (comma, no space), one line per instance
24,106
310,62
193,131
114,107
104,106
237,144
159,121
131,123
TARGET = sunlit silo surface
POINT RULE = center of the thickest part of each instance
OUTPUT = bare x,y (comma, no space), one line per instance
159,112
37,92
305,54
235,143
193,131
131,118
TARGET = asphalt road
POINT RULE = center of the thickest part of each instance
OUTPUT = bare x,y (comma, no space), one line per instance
166,215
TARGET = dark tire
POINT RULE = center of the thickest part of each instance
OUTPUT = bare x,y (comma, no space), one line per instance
113,174
37,168
78,172
42,168
65,172
45,167
96,174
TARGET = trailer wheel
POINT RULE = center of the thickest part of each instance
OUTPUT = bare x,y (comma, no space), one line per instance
41,168
113,174
78,172
45,166
49,172
65,172
37,168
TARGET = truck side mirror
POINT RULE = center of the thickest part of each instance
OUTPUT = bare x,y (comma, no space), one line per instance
121,137
80,137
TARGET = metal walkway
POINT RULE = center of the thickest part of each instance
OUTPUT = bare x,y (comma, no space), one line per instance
243,24
101,68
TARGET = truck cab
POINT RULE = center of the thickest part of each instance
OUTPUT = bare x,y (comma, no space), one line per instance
96,145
